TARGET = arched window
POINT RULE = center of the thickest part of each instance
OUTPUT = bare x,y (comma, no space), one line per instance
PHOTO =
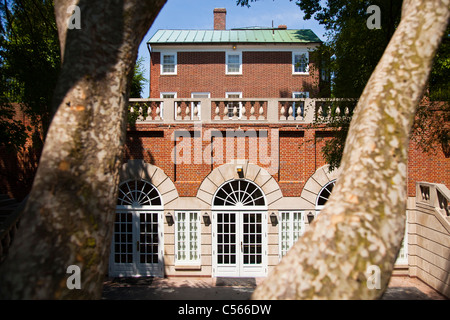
138,193
324,194
239,193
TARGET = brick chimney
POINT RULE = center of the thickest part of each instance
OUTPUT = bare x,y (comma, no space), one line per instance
220,15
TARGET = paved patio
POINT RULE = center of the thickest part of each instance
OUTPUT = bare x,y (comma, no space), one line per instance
400,288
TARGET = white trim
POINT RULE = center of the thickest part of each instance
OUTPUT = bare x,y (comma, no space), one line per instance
241,48
201,93
239,269
239,207
235,53
168,93
290,223
187,262
320,207
199,114
135,268
227,94
162,102
304,93
136,206
168,53
300,52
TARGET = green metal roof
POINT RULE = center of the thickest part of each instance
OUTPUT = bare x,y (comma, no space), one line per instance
234,36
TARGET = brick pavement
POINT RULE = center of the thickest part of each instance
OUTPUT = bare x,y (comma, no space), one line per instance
400,288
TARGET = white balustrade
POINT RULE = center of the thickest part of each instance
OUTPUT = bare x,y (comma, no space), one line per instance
269,110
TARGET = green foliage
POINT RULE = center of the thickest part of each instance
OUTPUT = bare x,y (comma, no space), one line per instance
431,128
13,133
29,59
335,117
354,48
138,82
439,82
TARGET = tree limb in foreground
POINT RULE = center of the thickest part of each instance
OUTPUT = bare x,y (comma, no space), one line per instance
363,222
69,216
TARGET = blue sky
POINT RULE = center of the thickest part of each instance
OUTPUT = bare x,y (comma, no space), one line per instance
198,14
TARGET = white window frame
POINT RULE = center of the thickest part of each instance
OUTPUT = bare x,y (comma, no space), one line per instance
235,53
304,94
296,53
169,53
299,95
168,93
292,234
325,186
193,94
161,95
188,225
227,95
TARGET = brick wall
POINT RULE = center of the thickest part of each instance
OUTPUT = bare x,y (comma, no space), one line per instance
264,75
429,167
299,155
18,167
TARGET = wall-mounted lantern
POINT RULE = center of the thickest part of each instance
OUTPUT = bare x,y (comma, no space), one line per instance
206,219
240,171
169,219
273,219
310,217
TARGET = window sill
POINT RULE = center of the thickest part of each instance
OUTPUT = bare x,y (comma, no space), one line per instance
188,267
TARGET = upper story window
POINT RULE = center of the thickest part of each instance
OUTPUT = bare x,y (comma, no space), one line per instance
300,63
168,63
233,63
234,106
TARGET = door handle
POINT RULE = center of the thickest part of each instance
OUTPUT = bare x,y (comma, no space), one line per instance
242,250
137,246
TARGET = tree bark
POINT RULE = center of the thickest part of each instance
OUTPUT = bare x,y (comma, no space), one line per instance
69,215
363,222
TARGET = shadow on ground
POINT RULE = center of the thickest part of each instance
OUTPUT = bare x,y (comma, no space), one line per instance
147,288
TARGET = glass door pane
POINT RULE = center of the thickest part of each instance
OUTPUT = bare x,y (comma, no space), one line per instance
226,238
148,237
252,238
123,238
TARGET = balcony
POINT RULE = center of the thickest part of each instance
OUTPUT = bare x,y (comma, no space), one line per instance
234,110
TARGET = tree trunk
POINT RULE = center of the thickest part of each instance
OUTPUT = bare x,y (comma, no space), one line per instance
69,215
362,224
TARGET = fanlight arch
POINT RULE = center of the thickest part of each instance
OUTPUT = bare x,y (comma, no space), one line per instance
324,194
138,193
239,193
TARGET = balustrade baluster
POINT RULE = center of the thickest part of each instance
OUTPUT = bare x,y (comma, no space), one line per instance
244,111
261,111
187,112
217,111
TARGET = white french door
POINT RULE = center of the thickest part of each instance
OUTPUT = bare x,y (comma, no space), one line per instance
239,244
137,246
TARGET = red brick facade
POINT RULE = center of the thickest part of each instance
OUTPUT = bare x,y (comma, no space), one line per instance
220,15
299,154
265,74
